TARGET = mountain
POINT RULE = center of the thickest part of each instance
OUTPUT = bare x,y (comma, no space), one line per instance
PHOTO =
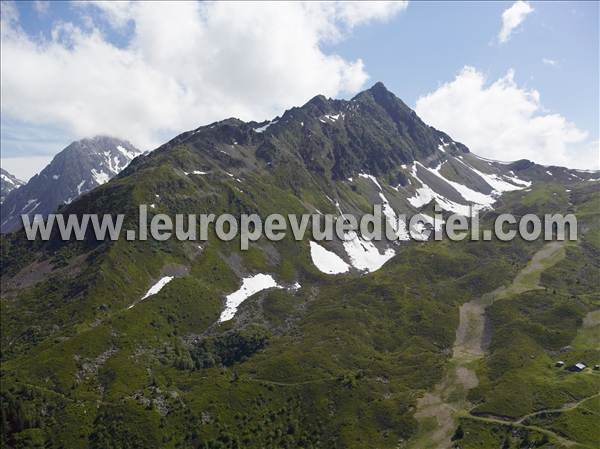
8,183
299,344
80,167
370,150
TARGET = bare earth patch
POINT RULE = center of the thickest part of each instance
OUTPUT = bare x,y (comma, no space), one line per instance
448,399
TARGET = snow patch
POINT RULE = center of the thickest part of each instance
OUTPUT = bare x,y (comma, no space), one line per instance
496,182
372,178
155,288
516,180
331,117
327,261
467,193
158,286
80,186
398,224
425,194
365,256
261,129
31,205
250,286
6,179
100,177
491,160
130,155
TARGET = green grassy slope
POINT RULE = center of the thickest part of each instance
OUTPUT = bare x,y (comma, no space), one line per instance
339,363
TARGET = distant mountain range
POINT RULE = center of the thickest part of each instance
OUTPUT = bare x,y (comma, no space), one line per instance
8,183
77,169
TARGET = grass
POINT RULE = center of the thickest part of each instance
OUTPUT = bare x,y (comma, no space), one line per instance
343,361
579,424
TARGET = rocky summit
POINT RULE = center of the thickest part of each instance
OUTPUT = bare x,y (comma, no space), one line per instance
8,183
77,169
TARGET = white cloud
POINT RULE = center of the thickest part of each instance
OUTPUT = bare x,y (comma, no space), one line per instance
25,167
358,13
8,14
41,6
503,121
512,18
186,64
548,61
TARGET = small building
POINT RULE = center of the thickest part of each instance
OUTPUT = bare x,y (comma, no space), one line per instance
579,366
559,364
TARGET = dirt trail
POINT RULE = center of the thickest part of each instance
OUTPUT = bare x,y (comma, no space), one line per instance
565,408
437,411
561,439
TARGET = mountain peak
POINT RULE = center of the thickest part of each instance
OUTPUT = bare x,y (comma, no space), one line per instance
381,95
318,101
8,183
378,87
78,168
102,139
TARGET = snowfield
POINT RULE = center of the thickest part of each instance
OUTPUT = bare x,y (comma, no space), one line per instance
388,210
425,194
498,184
158,286
365,256
478,200
100,177
262,129
467,193
327,261
250,286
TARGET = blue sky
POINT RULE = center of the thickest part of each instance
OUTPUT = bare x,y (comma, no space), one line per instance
146,73
428,44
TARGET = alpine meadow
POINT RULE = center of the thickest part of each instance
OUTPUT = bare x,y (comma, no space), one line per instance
299,343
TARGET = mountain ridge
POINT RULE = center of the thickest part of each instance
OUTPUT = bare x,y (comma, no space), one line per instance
122,343
78,168
8,182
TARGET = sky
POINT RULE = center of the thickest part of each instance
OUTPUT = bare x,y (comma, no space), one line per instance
511,80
